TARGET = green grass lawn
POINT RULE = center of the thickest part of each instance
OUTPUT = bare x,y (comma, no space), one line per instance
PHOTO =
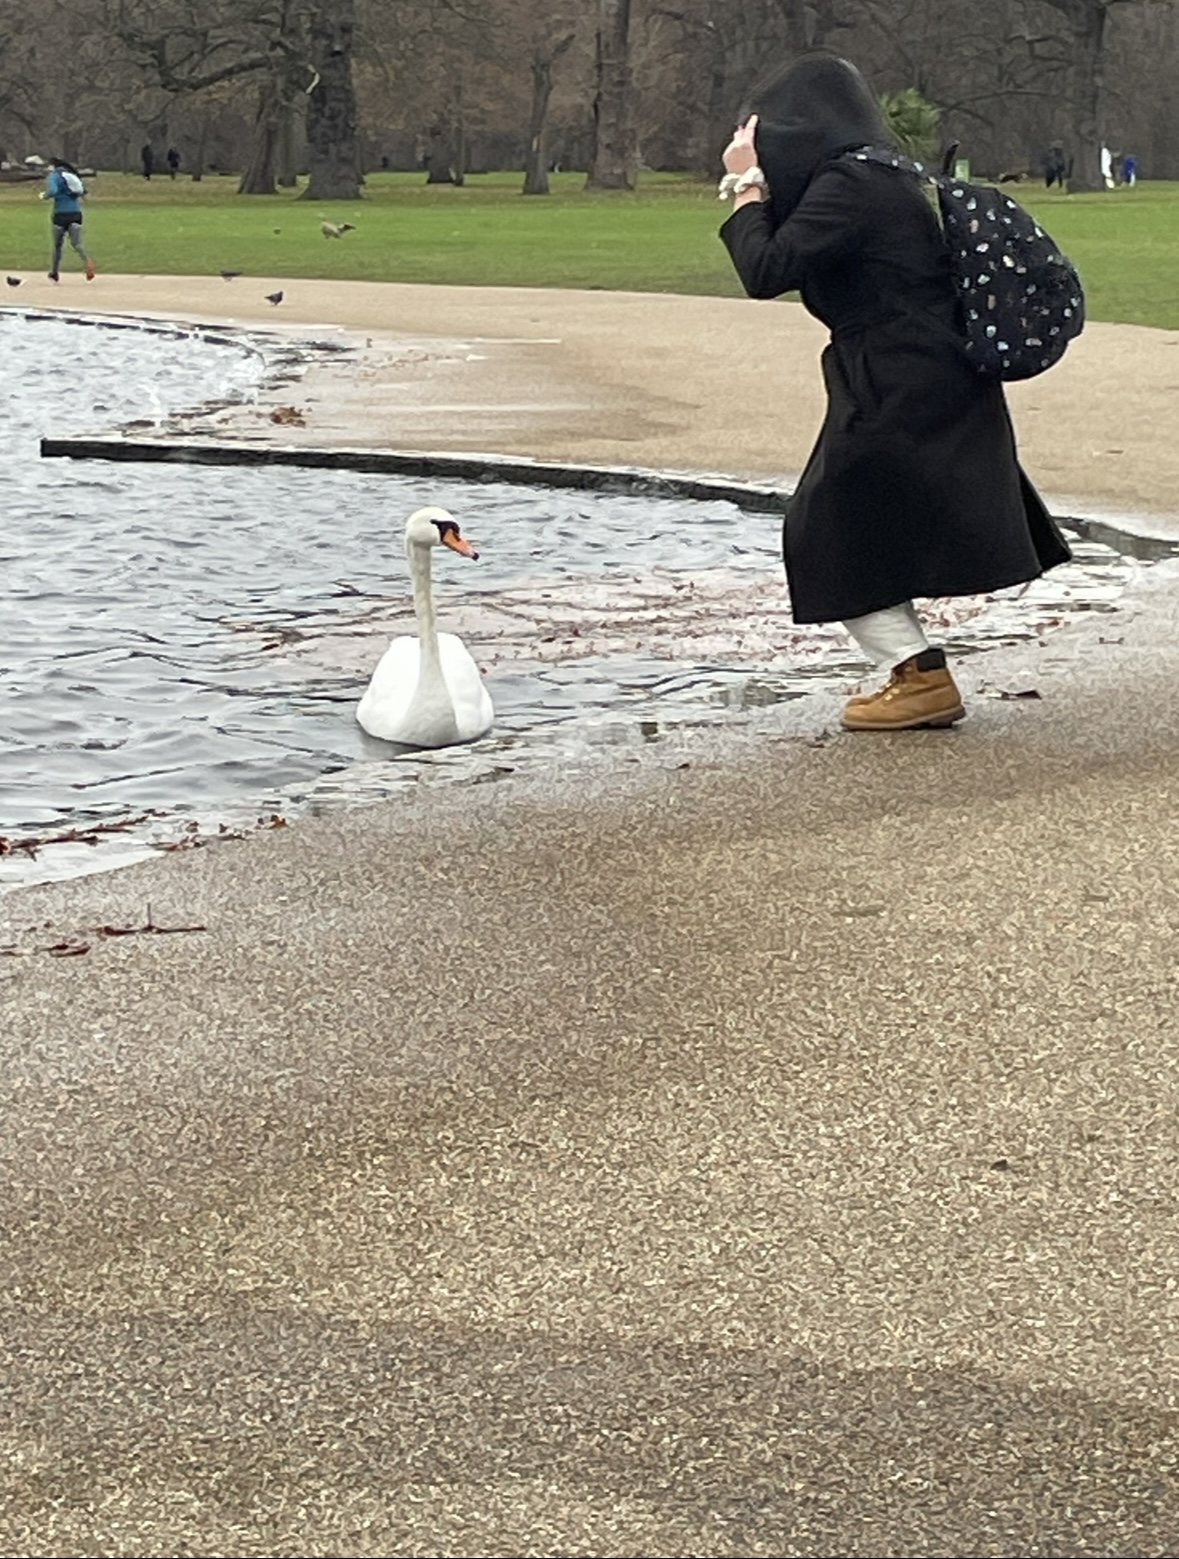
662,238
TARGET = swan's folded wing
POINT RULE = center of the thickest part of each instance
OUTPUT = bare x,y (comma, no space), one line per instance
474,712
385,702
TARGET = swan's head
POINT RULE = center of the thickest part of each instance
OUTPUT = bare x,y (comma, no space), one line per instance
434,527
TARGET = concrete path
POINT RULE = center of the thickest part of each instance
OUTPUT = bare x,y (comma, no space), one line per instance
765,1148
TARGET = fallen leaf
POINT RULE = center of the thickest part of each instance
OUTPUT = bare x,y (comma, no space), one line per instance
87,835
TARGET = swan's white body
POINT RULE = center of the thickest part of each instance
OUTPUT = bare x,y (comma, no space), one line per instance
427,691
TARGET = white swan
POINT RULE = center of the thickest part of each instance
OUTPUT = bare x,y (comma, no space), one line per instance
427,692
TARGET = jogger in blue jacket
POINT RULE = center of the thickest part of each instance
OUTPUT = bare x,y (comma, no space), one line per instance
65,189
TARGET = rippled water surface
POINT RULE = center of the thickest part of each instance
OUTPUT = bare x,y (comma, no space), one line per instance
191,641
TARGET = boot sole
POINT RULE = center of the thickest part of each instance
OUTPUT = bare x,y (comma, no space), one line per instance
939,722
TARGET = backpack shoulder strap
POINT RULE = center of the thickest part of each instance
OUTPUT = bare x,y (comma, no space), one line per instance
887,157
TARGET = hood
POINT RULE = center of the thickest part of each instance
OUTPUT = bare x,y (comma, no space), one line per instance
808,111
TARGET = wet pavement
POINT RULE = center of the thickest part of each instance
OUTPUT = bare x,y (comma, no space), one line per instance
184,646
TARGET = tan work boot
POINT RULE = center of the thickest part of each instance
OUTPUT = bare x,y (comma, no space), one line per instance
920,692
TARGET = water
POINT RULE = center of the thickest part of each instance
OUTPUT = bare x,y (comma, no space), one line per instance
185,645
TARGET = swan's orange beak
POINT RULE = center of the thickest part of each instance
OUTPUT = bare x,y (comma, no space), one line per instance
452,539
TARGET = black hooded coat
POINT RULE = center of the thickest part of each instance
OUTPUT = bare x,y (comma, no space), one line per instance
913,488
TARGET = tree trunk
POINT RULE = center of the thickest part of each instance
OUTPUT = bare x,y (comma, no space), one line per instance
798,25
285,151
460,138
439,162
536,160
1088,99
198,156
613,161
1086,21
333,153
258,178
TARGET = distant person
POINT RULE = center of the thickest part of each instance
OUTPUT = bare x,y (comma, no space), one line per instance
1056,166
1129,170
64,187
913,488
148,159
1107,177
173,161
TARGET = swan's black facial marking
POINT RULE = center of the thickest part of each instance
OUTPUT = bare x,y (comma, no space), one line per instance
447,528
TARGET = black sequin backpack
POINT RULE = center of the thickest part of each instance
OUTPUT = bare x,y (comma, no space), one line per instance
1022,300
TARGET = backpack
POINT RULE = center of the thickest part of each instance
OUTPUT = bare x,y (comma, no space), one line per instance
1022,300
71,181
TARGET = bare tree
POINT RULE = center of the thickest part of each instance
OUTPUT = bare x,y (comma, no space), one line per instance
719,53
1142,63
300,51
286,79
18,100
1009,76
547,49
436,68
665,79
613,163
331,105
981,66
1088,27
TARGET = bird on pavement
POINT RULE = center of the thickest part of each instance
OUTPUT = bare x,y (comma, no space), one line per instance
274,297
336,229
13,281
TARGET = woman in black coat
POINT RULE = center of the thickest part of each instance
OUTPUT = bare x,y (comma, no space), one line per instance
913,488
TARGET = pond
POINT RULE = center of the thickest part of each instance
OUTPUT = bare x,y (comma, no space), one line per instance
185,645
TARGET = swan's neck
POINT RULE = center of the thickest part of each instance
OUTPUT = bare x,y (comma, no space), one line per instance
431,712
423,606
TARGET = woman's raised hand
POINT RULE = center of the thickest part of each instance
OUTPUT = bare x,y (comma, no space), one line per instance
739,155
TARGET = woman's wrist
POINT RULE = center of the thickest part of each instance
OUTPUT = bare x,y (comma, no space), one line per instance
749,197
752,181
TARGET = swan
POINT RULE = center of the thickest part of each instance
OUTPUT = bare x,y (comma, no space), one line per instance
427,691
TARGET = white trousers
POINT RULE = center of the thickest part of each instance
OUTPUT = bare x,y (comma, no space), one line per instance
890,636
